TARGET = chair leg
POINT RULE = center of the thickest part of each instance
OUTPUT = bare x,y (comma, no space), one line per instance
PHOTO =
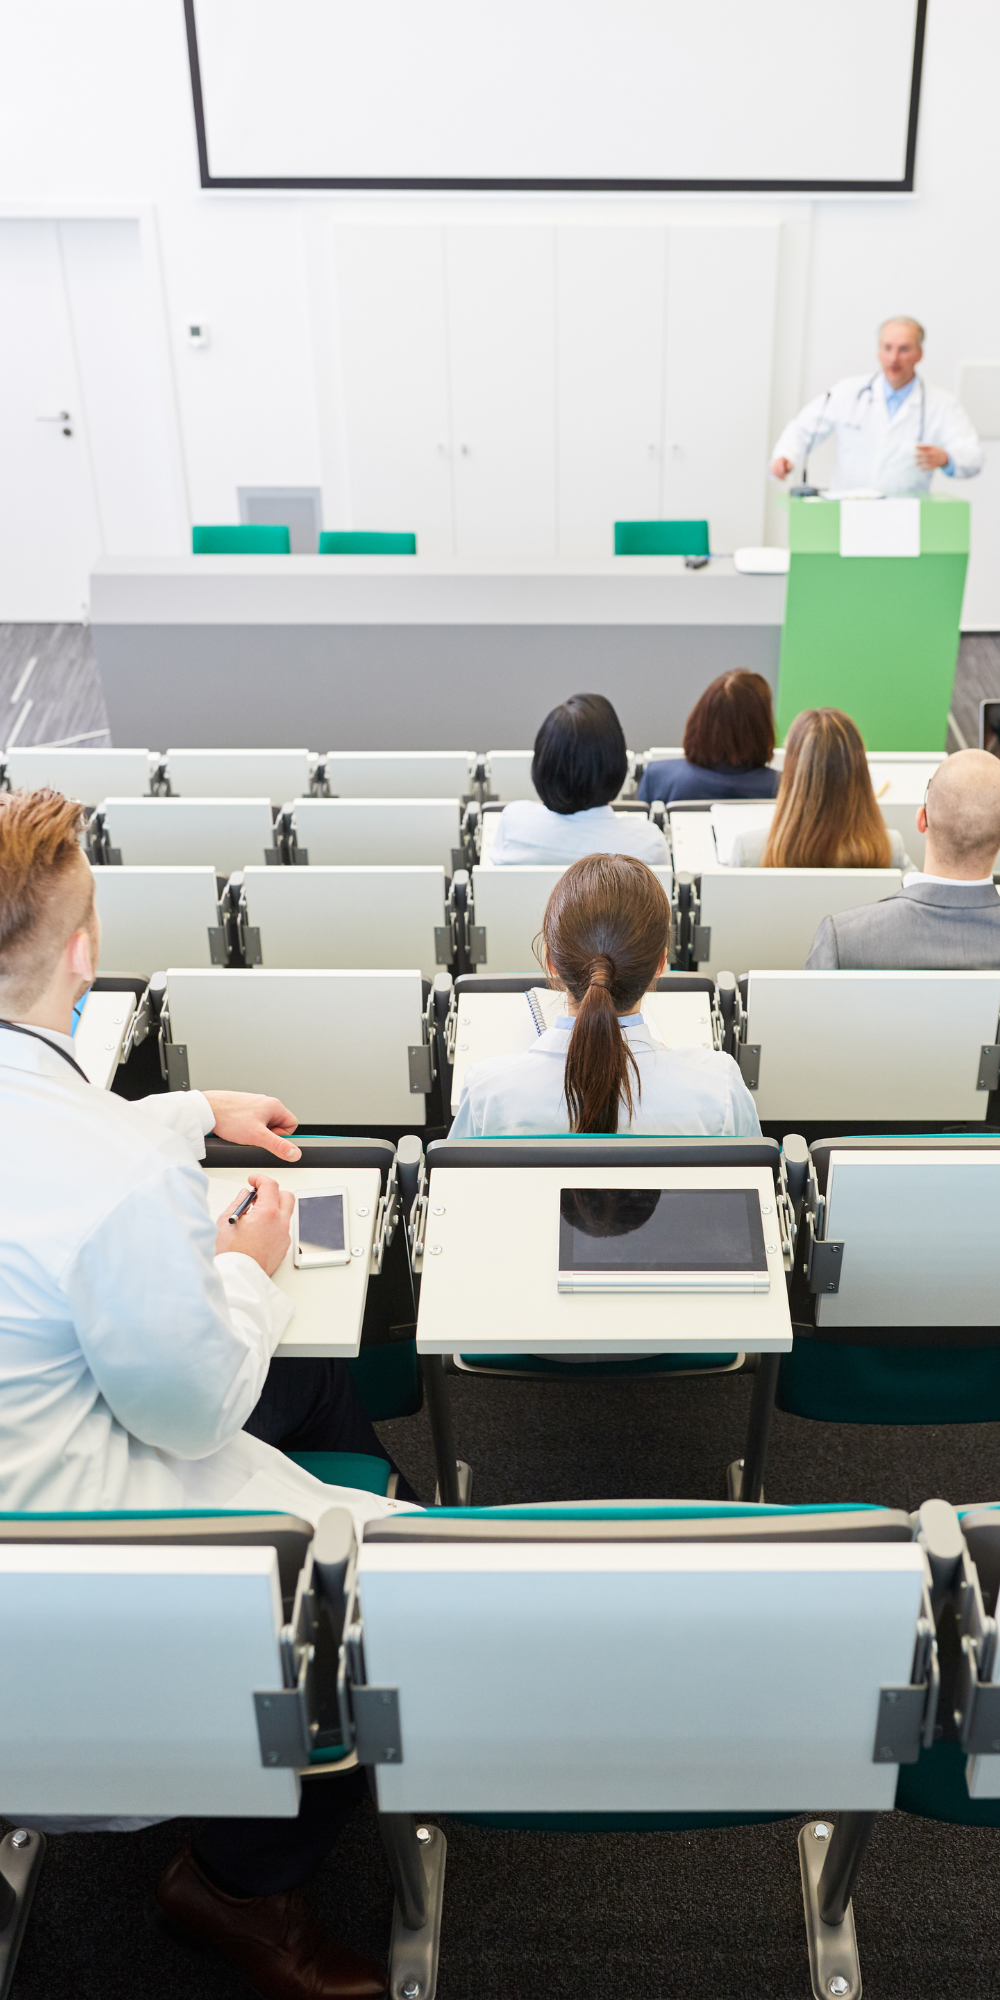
830,1856
21,1856
453,1477
416,1855
745,1477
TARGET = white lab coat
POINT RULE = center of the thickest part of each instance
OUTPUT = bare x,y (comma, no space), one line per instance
874,450
130,1356
682,1090
529,832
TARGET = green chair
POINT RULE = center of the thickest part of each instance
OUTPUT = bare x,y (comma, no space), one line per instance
248,539
365,542
944,1372
661,538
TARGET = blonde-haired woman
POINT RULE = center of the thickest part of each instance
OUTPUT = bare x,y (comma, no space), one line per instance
826,814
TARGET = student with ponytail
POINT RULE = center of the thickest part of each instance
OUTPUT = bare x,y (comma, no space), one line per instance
601,1068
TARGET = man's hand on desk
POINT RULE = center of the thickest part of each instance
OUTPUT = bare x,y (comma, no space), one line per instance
264,1232
253,1121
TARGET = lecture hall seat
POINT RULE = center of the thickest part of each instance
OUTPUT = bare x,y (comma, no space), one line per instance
365,542
661,538
246,539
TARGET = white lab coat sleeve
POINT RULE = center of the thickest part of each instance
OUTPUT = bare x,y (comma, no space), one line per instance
961,442
808,429
177,1340
465,1124
746,1124
186,1112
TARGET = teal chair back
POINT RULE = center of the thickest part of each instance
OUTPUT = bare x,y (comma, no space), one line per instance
249,539
365,542
661,538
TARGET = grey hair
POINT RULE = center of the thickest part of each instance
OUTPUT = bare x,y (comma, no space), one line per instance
903,319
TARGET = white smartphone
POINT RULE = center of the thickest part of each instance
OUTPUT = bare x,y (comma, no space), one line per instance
319,1229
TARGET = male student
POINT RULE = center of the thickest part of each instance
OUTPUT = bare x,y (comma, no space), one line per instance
946,916
135,1341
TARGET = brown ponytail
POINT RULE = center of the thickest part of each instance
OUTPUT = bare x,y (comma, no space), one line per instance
604,932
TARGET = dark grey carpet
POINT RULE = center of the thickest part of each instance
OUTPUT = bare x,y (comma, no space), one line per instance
706,1916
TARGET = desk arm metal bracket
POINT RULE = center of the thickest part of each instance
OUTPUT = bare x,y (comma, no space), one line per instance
989,1067
907,1714
824,1259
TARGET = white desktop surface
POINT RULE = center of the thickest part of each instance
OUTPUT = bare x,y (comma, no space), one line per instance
329,1302
502,1024
390,590
493,1286
101,1030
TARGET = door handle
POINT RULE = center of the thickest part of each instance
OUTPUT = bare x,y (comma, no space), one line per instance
61,417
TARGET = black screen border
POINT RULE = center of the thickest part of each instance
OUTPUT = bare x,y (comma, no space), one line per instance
754,1218
393,185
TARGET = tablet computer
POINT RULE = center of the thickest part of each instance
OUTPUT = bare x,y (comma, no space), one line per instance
661,1240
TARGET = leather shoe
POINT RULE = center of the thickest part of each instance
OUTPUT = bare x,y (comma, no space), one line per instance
274,1941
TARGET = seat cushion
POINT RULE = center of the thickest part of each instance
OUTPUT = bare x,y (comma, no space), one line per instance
345,1468
934,1788
842,1384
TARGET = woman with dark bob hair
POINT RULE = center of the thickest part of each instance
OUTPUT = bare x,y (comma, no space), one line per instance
601,1067
580,765
728,745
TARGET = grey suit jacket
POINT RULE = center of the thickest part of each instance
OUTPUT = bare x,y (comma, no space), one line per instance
928,927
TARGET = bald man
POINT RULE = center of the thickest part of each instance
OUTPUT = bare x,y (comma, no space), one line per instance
894,429
946,916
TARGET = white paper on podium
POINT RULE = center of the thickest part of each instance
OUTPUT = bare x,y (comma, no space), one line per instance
880,527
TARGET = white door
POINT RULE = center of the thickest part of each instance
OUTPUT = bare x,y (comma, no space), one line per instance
501,315
720,342
390,286
76,336
611,296
49,526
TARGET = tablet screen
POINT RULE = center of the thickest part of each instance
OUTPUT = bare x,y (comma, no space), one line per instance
661,1229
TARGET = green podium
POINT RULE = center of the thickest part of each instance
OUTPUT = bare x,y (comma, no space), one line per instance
874,634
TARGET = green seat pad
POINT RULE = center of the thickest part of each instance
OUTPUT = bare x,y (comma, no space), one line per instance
345,1468
934,1788
387,1379
842,1384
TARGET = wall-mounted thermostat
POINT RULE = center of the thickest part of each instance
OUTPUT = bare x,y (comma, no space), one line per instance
197,334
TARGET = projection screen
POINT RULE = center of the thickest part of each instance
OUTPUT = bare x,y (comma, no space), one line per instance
756,95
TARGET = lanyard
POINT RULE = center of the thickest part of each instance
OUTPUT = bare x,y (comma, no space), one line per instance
36,1037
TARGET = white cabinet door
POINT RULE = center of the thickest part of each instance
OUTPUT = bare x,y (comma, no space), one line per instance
501,299
49,528
720,343
394,348
611,296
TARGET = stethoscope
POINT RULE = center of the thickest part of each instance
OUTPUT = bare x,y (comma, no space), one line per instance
868,389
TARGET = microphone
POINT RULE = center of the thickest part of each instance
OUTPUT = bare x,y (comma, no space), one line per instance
805,491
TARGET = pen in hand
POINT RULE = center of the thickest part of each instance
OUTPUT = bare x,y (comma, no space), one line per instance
248,1201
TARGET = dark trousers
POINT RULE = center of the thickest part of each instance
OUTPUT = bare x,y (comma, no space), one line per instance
305,1406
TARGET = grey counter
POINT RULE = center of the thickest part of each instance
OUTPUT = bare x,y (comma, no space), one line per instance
397,653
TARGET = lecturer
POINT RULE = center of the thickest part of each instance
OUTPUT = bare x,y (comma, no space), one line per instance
893,429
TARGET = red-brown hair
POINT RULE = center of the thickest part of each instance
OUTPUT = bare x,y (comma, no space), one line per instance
826,814
605,930
732,723
39,844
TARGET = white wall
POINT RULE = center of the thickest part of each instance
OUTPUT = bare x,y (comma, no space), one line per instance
95,118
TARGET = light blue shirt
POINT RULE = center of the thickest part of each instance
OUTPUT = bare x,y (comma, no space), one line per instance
530,833
681,1091
894,400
